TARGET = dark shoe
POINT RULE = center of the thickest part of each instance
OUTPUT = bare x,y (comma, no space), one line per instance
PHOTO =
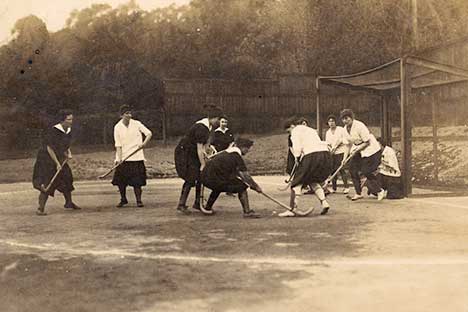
251,214
122,203
140,204
183,209
72,206
325,207
196,206
41,212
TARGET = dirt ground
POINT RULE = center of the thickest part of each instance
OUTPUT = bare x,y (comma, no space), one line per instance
405,255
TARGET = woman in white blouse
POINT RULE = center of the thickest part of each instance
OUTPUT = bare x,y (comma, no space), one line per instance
367,155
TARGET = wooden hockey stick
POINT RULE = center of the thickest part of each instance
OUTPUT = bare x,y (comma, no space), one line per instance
282,205
46,189
117,165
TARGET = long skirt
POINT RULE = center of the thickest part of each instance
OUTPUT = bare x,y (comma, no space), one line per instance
314,168
45,168
392,185
187,164
131,173
232,185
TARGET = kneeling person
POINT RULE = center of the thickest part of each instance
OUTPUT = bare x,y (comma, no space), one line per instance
226,172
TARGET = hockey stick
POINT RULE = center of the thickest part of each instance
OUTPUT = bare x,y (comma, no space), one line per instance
282,205
325,183
45,190
117,165
291,176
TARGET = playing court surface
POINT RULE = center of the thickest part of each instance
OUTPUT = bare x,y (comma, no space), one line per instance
403,255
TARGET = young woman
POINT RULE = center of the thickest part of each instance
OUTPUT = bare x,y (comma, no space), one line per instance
337,139
190,159
222,137
389,172
226,172
367,155
313,162
51,159
128,137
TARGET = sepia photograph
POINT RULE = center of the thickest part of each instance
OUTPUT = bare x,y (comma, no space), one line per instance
233,155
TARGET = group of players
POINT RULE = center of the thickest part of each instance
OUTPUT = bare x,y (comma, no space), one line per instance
209,156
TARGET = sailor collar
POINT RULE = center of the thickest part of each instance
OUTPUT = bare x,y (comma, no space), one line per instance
60,127
205,122
221,130
233,149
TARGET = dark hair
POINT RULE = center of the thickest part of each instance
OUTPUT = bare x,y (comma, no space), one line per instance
63,113
289,122
382,141
243,142
223,117
213,111
346,113
300,120
124,108
331,117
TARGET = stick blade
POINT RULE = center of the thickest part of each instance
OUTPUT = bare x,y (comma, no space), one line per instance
303,213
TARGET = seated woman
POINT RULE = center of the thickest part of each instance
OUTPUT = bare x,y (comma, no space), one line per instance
389,172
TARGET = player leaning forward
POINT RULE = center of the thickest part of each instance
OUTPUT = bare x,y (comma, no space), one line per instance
367,154
128,139
226,172
190,156
314,164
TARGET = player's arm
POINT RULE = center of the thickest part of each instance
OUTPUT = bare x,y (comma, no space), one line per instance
247,178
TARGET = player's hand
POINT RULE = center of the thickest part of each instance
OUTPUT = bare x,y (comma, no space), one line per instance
258,189
202,167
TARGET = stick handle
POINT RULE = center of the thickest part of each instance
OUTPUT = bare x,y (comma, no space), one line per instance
117,165
338,170
55,176
277,202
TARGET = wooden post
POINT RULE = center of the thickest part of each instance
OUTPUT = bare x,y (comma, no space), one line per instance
318,110
383,118
164,124
386,124
414,23
405,127
435,139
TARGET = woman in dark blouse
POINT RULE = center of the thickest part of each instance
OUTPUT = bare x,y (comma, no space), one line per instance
189,157
50,159
222,137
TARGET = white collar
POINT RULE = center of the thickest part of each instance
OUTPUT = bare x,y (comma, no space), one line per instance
221,130
205,122
60,127
233,149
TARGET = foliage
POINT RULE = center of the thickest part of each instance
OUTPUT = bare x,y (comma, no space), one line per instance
106,56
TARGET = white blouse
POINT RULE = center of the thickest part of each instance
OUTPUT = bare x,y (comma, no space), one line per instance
129,138
305,140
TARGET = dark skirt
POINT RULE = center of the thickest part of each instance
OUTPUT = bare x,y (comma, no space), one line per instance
392,185
187,163
131,173
230,186
365,165
314,168
45,169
